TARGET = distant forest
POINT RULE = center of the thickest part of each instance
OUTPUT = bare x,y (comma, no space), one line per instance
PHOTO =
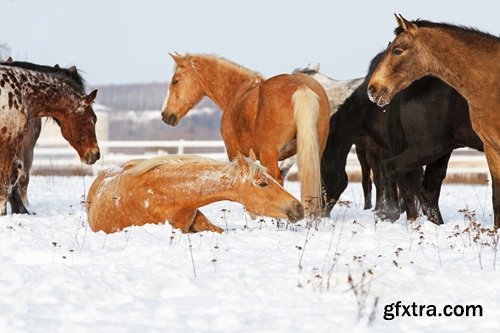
135,114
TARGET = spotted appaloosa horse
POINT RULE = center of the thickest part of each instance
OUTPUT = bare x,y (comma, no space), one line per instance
276,118
27,94
466,59
172,189
21,172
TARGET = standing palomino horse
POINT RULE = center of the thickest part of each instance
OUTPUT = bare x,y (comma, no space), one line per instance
466,59
27,94
277,118
172,189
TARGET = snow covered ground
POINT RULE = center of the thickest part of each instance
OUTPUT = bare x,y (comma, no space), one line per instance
58,276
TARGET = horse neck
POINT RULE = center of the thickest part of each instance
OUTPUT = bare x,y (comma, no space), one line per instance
460,64
47,96
223,84
211,183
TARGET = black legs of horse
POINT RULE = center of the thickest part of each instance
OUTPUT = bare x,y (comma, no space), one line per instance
433,179
368,152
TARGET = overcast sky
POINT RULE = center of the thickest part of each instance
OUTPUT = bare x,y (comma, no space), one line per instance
127,41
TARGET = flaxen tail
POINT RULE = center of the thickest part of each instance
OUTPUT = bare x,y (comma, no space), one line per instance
306,112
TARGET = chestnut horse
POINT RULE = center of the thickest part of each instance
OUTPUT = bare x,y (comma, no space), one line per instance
172,189
277,118
27,94
466,59
19,195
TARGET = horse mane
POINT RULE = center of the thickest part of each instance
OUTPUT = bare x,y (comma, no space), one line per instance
307,70
71,76
448,26
224,62
140,167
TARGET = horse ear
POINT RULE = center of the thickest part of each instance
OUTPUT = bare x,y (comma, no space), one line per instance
91,97
56,66
9,60
176,56
251,155
405,24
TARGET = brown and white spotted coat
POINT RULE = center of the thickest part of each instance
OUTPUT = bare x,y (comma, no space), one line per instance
28,94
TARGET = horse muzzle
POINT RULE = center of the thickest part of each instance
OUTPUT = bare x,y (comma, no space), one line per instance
378,95
169,119
295,212
91,156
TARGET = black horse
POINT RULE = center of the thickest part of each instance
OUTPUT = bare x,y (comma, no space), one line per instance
421,126
427,121
354,120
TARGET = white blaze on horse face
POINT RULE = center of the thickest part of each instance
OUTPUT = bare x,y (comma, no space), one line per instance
165,102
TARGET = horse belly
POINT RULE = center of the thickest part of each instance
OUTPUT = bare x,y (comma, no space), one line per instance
288,150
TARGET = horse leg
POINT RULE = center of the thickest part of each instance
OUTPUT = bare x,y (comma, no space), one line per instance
15,197
16,201
269,159
410,184
5,177
375,157
389,207
366,181
201,223
493,158
431,188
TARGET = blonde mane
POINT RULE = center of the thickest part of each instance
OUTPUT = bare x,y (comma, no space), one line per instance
233,169
224,62
139,167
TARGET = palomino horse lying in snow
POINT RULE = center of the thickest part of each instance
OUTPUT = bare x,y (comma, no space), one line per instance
173,188
276,118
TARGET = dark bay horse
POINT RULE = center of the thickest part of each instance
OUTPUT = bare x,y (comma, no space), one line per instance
276,118
19,194
466,59
32,93
171,189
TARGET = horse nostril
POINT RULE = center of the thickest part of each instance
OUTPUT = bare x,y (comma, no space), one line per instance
169,119
295,213
97,156
371,91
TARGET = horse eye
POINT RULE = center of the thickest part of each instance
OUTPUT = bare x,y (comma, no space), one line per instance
175,81
263,184
397,51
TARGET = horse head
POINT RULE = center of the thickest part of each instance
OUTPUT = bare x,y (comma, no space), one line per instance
78,128
184,92
262,195
402,63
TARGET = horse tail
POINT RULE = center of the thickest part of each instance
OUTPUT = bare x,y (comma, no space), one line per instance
306,112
